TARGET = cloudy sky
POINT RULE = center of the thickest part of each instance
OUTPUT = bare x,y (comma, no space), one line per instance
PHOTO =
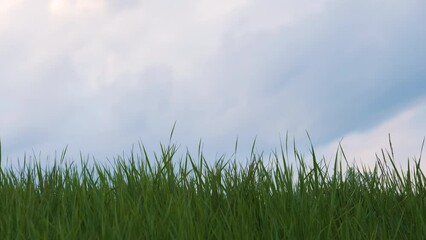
101,75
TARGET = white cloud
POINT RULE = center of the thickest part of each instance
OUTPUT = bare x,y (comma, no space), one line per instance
207,10
277,14
76,8
151,33
407,130
6,7
87,61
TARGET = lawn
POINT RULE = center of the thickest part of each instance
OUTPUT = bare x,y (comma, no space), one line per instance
182,197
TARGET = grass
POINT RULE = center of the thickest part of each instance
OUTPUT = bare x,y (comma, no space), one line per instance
166,198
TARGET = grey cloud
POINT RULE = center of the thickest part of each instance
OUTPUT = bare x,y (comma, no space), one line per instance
348,68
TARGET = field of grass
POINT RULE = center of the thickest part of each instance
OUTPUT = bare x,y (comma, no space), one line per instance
182,197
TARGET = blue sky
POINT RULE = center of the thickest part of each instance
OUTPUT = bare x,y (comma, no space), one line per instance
101,75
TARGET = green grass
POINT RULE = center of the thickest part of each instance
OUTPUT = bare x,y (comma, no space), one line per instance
186,198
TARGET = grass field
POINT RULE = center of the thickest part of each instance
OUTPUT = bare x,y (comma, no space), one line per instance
182,197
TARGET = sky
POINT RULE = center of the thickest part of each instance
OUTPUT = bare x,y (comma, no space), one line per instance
100,76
